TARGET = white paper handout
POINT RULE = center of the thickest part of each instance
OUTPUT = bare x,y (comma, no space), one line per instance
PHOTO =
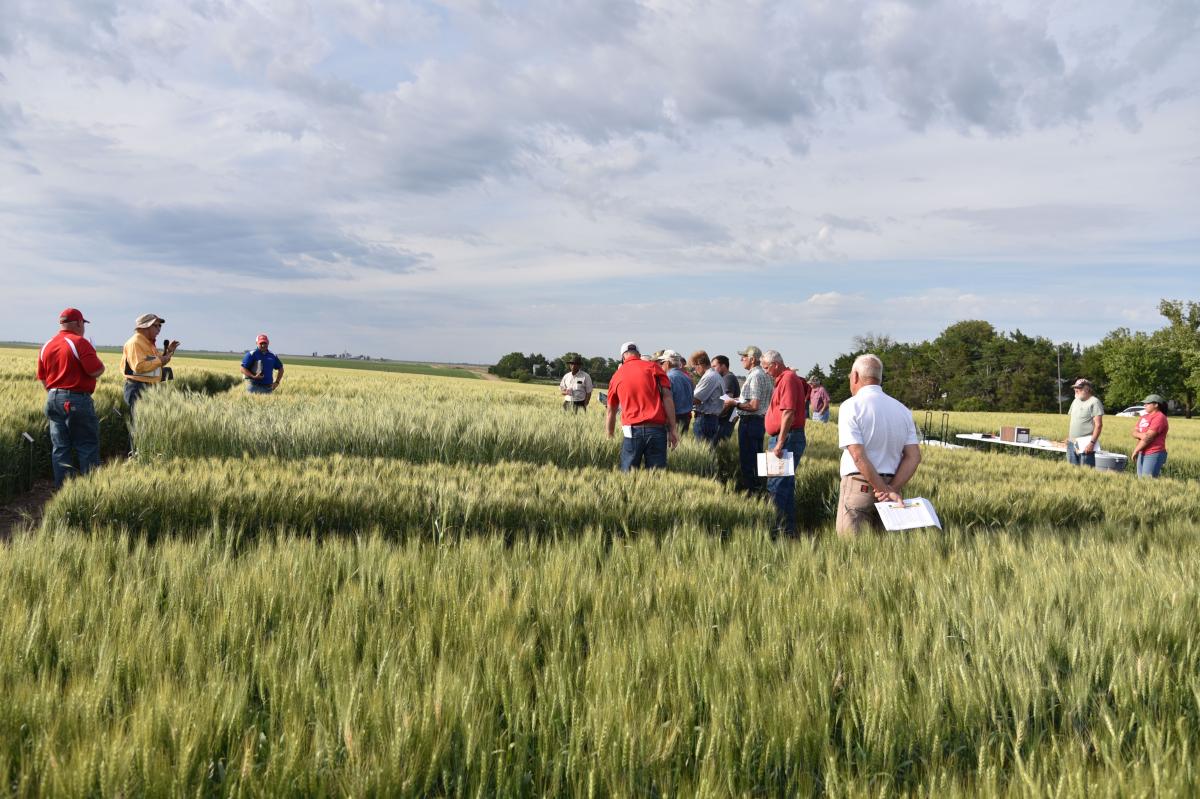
727,398
908,515
627,430
1082,442
770,466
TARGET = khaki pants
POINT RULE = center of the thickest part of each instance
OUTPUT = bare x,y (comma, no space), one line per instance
856,507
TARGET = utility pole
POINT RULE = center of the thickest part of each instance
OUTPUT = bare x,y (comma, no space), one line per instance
1058,382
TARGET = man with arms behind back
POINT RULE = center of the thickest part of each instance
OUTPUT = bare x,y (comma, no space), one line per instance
880,449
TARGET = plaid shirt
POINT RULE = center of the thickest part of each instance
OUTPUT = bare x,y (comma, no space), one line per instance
758,385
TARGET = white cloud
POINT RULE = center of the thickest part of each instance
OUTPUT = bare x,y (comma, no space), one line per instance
361,152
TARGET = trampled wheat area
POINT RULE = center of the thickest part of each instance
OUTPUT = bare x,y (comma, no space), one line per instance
384,584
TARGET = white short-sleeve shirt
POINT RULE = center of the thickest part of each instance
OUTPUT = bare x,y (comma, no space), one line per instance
881,424
580,385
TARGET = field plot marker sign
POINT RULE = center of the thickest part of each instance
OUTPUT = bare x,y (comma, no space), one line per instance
908,515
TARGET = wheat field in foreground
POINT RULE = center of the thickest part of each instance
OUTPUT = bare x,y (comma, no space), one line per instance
387,584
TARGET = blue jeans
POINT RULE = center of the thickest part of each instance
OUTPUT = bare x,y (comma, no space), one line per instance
821,416
258,388
724,429
133,392
646,445
1150,465
783,489
706,428
750,442
73,425
1076,459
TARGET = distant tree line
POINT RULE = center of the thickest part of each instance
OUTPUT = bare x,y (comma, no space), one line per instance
971,366
524,368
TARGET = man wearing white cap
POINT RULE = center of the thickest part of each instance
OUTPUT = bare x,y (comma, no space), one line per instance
642,390
681,388
141,362
262,368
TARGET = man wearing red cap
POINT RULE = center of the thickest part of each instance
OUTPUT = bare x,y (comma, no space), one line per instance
68,367
258,367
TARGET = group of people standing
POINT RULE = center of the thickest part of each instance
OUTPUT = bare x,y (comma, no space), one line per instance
876,432
1086,416
69,367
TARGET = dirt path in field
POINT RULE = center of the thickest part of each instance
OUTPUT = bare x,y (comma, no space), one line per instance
25,509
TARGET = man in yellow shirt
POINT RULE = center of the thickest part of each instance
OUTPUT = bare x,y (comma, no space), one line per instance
141,362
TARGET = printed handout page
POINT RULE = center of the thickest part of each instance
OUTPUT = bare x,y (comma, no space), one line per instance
770,466
908,515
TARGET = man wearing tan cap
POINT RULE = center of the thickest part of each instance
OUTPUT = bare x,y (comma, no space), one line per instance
1086,423
752,412
141,362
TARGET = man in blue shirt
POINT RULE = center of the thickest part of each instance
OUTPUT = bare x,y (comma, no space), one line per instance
261,368
681,388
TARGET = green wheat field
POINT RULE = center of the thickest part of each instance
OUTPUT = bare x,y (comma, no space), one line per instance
388,584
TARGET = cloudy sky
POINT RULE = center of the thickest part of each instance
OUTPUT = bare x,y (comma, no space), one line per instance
456,180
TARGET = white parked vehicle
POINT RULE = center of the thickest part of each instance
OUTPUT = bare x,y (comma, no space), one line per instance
1133,410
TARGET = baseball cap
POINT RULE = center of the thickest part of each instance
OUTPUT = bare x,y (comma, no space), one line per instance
629,346
71,315
1082,382
262,337
667,355
576,359
1155,399
147,320
752,351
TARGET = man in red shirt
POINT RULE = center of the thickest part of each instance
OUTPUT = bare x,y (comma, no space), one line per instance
642,391
785,426
68,367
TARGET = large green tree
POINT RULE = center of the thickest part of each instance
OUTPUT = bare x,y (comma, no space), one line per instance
1139,364
1182,335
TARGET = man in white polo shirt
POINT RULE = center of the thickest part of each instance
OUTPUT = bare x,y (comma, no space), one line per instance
880,448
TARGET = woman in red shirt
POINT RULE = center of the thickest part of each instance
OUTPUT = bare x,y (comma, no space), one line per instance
1151,433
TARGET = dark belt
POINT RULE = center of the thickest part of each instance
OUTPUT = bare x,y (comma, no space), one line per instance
69,391
707,414
647,424
858,476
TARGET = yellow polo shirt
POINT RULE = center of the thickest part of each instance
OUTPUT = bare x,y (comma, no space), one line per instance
141,360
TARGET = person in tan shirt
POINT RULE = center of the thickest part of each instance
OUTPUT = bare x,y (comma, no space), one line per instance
141,362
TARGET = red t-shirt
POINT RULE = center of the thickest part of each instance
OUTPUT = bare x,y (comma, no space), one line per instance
636,390
790,394
1157,422
65,361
